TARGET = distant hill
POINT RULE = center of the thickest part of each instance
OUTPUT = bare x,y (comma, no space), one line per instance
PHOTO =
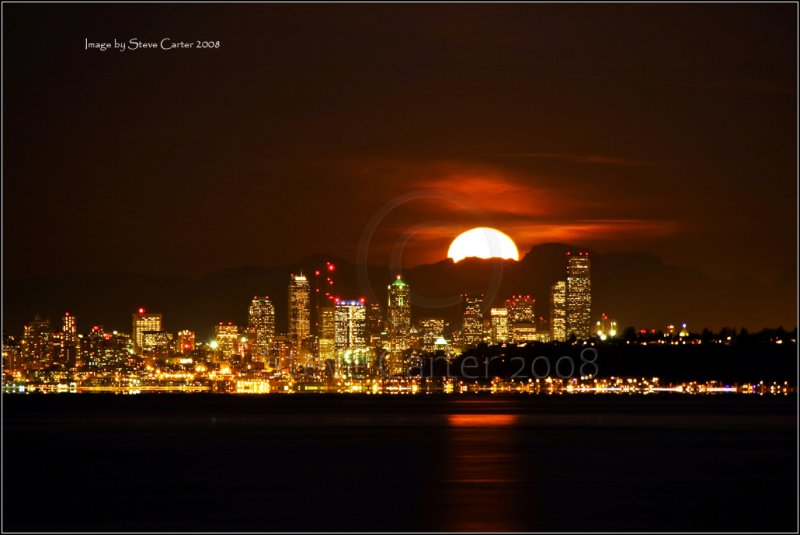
634,288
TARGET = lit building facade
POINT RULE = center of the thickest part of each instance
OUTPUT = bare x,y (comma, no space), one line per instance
579,296
70,343
144,321
299,311
558,311
523,332
350,325
327,333
499,325
35,346
261,326
374,321
431,330
398,323
227,337
472,329
521,309
105,350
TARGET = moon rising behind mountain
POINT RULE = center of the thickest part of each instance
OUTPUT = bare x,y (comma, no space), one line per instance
483,242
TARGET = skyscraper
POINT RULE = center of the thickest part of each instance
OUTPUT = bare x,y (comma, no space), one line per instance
499,325
558,311
579,296
374,321
350,325
398,316
144,321
327,333
472,329
321,295
35,347
299,311
69,341
261,325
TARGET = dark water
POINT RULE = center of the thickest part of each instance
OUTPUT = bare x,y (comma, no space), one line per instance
316,463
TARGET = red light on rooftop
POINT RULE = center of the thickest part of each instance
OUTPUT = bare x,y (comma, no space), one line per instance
66,313
331,267
95,328
362,299
568,253
141,311
316,273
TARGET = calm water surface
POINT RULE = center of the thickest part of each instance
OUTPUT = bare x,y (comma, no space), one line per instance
315,463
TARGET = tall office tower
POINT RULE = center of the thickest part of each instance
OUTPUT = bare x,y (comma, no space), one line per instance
579,296
398,315
398,324
144,321
185,341
227,337
350,330
261,325
430,329
521,309
299,311
499,325
558,311
322,294
70,348
35,347
472,329
327,333
374,321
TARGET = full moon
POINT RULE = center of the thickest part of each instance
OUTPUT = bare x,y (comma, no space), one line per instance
482,242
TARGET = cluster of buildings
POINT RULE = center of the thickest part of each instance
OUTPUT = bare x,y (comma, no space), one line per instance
327,336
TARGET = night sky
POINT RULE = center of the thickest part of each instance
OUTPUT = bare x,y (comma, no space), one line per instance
663,128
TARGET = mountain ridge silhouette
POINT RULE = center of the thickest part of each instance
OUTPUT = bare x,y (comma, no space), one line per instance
635,288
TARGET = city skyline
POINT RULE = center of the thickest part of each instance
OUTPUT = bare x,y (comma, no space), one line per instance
347,332
400,267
